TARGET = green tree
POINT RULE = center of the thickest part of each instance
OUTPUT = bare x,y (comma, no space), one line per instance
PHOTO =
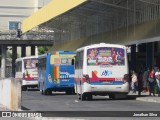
43,49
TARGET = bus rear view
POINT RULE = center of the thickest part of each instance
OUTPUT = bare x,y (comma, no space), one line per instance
26,70
56,72
101,69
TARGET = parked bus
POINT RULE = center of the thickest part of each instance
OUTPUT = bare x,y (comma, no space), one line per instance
56,72
101,69
27,71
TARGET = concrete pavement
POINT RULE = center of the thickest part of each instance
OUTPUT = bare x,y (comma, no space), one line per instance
3,108
145,97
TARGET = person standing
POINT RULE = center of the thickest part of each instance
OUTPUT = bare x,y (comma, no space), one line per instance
145,80
140,83
151,80
157,85
134,81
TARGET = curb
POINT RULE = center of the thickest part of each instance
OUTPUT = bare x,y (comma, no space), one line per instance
149,99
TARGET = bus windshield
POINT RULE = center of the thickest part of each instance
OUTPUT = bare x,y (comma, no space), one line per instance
30,63
105,56
62,59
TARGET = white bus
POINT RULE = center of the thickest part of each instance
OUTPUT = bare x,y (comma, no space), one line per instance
26,70
101,69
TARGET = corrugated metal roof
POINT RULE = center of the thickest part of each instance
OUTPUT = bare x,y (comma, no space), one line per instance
91,17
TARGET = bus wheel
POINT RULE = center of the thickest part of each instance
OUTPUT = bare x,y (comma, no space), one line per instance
112,96
44,92
73,92
24,88
89,97
50,92
83,97
68,92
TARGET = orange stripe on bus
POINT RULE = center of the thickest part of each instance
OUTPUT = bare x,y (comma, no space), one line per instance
55,72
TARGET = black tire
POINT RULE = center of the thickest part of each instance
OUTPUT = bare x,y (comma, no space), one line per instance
83,97
112,96
24,88
45,92
73,92
68,92
89,97
50,92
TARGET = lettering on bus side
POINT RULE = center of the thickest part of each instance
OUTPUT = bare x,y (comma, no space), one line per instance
64,76
106,73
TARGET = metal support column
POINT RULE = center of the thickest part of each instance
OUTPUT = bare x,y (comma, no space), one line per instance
133,57
14,57
3,61
149,54
32,50
23,51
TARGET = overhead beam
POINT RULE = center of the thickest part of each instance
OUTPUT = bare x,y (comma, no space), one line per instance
50,11
27,42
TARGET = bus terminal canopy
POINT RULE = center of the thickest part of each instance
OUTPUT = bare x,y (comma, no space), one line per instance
50,11
74,19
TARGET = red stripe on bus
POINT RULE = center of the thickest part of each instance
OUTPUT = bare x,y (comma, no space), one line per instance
31,78
94,78
55,72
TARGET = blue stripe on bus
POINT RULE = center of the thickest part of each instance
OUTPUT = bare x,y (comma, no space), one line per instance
65,52
107,83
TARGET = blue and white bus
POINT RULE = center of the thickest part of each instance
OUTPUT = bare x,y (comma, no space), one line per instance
56,72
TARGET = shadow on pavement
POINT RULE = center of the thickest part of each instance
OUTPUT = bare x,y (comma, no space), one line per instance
24,108
133,97
129,97
32,89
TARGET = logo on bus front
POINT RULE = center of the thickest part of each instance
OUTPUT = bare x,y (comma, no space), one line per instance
106,73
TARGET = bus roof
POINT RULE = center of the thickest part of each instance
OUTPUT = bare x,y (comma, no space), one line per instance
59,52
101,45
28,57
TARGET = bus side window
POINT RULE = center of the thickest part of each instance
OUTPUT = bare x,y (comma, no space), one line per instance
72,61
